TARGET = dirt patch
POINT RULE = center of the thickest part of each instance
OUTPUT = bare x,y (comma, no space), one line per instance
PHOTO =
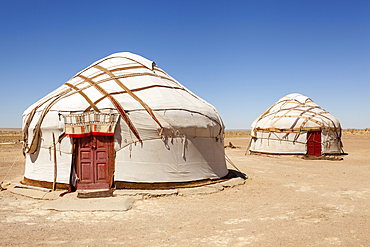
286,201
11,163
10,136
11,158
357,132
237,133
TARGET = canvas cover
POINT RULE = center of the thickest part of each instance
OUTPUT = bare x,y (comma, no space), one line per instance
162,131
283,128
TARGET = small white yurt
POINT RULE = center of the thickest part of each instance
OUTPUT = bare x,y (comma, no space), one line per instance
122,120
296,125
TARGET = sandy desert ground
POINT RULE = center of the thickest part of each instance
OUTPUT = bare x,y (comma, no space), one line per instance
286,201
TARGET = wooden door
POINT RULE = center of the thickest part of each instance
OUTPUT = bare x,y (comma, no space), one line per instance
314,143
93,162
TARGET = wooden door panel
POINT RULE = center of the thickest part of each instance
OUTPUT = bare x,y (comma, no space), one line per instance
101,159
102,173
85,155
317,144
86,173
314,143
93,162
101,155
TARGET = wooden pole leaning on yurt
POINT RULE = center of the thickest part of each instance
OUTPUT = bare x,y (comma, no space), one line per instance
55,164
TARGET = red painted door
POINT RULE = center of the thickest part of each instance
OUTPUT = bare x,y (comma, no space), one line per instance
93,162
314,143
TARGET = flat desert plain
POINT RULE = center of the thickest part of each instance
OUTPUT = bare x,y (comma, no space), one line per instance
286,201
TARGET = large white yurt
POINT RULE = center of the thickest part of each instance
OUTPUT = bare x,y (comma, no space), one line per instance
122,119
296,125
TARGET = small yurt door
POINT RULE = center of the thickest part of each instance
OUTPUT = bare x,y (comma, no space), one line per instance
93,165
314,143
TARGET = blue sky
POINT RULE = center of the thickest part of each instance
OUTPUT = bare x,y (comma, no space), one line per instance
240,56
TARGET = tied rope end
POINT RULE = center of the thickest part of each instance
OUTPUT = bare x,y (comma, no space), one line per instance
183,147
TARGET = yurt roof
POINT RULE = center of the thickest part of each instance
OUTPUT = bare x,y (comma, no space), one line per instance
125,83
129,69
294,113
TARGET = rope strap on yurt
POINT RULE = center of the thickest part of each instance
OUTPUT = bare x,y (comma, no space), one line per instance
55,99
84,96
231,163
132,90
295,130
130,74
183,146
249,145
296,121
116,105
229,160
119,83
32,114
312,116
37,130
283,103
61,137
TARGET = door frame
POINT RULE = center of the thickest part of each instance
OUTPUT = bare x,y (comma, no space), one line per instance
110,165
314,143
